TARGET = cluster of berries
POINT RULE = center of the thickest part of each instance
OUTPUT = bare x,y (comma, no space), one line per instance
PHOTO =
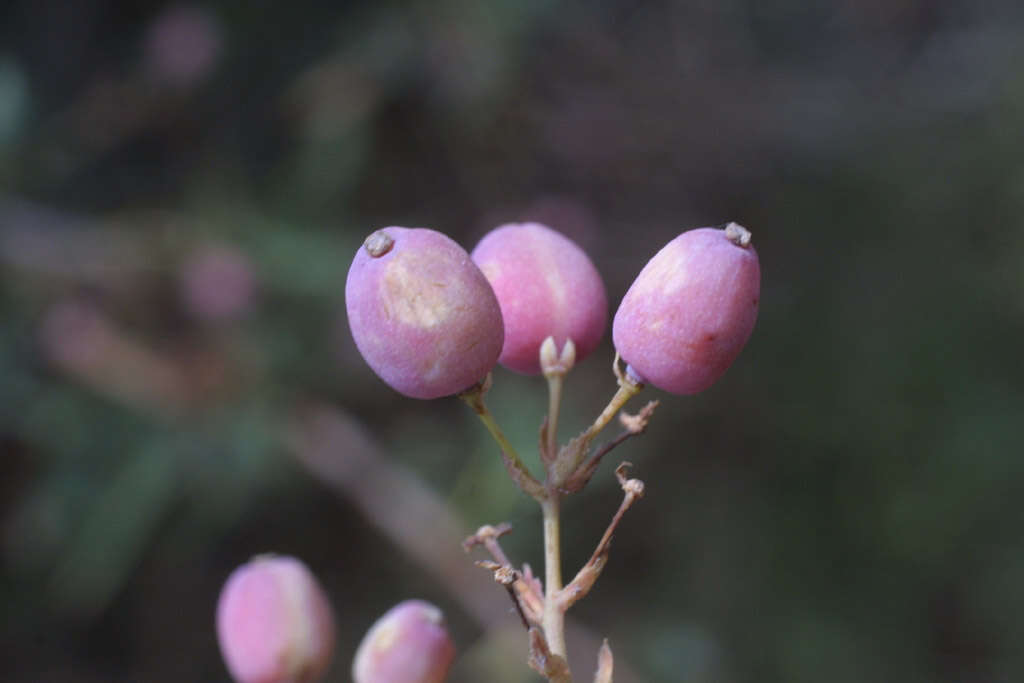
275,625
432,320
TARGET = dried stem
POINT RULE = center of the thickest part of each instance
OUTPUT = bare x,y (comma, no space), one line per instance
488,536
634,425
519,608
509,578
524,587
587,576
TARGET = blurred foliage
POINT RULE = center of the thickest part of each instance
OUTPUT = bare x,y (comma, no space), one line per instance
182,188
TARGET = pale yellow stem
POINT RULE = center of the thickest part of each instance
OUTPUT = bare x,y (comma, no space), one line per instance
554,617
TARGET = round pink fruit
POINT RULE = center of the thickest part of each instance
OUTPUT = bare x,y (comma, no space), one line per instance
274,623
421,313
409,644
547,286
691,309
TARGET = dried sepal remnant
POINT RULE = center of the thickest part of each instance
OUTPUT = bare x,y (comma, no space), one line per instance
605,664
547,287
737,234
409,644
546,663
274,623
422,314
691,309
379,243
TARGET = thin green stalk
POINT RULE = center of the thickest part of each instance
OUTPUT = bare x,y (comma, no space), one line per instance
626,391
499,436
474,398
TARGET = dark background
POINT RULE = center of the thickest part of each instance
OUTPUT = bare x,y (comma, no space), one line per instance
182,189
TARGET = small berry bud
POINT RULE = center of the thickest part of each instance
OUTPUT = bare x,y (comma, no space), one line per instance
409,644
691,310
568,357
547,286
553,363
548,355
422,314
274,623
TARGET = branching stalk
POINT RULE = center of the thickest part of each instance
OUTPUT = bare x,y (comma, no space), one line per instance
548,654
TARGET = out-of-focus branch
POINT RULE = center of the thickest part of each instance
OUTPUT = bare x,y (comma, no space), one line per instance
89,347
61,245
338,451
81,341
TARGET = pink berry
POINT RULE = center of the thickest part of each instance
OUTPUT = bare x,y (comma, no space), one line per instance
274,623
409,644
421,313
547,286
691,309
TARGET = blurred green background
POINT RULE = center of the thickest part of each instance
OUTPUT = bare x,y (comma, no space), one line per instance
182,188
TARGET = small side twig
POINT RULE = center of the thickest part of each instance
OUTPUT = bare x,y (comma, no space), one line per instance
474,398
587,576
507,577
488,536
523,588
634,426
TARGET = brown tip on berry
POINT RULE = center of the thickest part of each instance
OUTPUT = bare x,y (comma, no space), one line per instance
737,234
378,243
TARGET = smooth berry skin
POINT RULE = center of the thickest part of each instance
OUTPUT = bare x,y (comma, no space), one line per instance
274,623
409,644
690,311
422,314
546,286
